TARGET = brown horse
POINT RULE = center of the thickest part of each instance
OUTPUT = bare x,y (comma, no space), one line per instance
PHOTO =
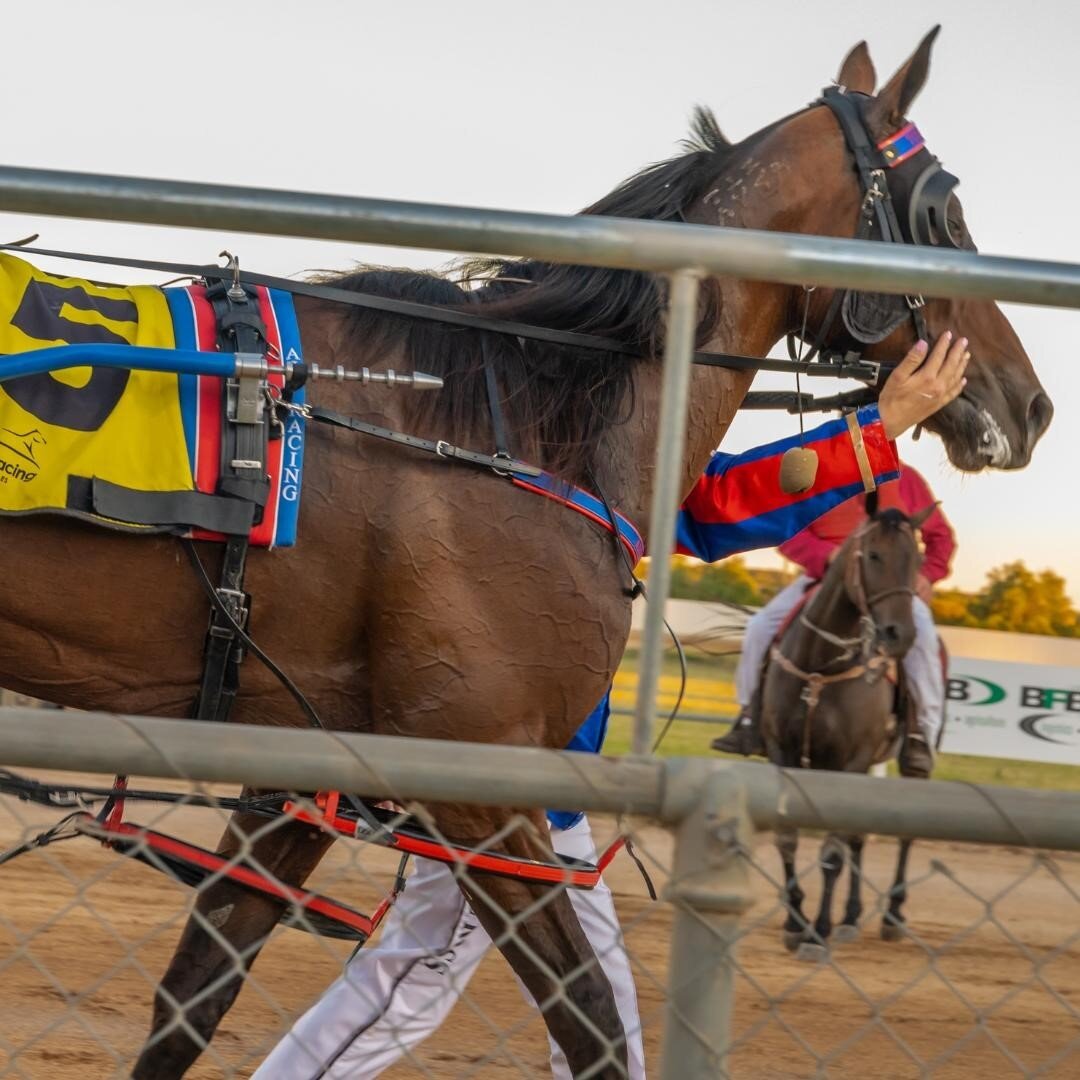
832,697
425,599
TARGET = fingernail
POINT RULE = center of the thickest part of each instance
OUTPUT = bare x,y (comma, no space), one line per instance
947,335
963,381
963,342
920,346
967,357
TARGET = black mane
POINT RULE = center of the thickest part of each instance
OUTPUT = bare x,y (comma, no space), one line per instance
558,401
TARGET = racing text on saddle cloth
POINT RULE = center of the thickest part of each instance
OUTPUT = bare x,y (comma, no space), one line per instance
1006,710
142,430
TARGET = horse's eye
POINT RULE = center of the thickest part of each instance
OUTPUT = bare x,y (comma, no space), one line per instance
874,557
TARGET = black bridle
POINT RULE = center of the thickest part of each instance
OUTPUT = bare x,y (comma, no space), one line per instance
915,210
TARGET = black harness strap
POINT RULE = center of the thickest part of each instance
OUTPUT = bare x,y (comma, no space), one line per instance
242,477
848,367
498,463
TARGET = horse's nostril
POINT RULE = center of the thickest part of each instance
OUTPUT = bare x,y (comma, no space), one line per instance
1039,414
891,633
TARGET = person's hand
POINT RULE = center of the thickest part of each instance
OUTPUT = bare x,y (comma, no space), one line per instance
922,384
923,589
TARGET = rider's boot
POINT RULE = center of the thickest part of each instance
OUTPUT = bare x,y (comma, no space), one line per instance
743,738
916,758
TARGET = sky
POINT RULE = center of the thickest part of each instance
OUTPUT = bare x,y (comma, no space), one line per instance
545,107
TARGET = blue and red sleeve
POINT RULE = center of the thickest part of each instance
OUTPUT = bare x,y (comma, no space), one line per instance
737,505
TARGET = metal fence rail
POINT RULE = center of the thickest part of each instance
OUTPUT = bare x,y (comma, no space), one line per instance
667,789
598,241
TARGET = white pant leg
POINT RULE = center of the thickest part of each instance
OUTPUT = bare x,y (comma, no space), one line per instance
922,665
595,910
759,634
394,995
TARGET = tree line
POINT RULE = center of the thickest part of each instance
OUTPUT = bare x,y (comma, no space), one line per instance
1013,596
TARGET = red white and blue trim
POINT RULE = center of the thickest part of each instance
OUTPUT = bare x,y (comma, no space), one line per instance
901,145
195,327
575,498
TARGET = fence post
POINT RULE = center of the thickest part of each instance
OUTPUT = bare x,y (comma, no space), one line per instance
682,325
709,889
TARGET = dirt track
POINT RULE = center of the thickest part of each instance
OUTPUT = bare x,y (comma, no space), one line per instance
74,1001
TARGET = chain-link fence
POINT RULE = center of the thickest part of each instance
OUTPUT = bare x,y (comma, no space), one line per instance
981,979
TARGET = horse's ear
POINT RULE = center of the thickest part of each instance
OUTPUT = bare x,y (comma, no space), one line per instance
891,105
871,503
857,71
918,520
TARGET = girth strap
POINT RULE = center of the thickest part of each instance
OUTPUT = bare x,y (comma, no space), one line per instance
224,652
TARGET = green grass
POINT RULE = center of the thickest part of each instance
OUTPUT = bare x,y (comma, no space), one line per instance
691,739
688,738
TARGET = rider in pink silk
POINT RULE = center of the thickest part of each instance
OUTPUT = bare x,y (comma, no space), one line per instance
813,550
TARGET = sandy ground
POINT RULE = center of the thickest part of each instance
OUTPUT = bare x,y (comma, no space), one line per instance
988,990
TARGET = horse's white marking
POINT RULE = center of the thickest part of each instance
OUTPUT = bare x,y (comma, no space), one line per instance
219,916
995,443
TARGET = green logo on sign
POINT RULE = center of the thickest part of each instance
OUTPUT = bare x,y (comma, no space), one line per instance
960,688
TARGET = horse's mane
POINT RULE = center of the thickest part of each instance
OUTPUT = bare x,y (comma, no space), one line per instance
559,401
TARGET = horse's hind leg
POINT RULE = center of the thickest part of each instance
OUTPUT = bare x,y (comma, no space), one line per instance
536,929
222,937
892,925
848,930
816,945
795,925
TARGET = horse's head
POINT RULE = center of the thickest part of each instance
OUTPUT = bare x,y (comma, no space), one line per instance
1003,410
879,564
802,175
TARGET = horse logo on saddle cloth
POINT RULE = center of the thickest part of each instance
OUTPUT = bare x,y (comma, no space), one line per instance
133,450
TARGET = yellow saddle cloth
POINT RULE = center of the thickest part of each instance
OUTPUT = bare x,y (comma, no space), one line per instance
122,426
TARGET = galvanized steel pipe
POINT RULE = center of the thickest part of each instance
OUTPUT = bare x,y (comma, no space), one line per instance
682,322
668,789
597,241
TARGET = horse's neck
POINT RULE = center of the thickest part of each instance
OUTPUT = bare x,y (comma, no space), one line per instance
753,318
832,610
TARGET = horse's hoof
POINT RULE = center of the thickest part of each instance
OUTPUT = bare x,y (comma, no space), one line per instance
792,939
893,931
810,952
846,933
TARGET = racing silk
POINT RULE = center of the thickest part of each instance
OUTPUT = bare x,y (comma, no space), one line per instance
737,505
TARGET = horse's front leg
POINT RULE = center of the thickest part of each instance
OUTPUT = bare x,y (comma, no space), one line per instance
892,925
223,935
816,944
848,930
795,925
